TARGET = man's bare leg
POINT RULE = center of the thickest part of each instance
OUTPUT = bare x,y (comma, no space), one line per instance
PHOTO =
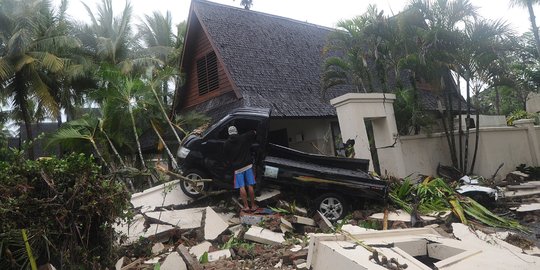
252,198
243,195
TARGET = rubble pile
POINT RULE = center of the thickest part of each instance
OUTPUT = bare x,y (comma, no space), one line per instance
178,233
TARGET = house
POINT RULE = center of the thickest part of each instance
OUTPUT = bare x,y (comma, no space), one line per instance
234,57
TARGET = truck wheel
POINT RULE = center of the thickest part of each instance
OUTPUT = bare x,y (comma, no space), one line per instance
333,206
194,190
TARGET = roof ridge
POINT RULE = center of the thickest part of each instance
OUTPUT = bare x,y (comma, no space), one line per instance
266,14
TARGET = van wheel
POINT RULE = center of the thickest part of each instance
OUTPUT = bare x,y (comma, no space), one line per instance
333,206
194,190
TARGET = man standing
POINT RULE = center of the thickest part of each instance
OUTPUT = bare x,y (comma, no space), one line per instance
238,149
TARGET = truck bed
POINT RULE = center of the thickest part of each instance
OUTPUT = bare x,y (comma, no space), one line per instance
311,174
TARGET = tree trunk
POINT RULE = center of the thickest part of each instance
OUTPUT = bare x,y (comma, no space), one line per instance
533,26
139,149
477,135
165,116
467,123
21,99
497,101
59,124
460,125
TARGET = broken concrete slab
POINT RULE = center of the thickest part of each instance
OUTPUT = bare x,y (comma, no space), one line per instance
219,254
352,229
165,194
214,225
399,215
285,226
264,236
118,265
528,207
236,229
183,219
136,229
157,248
323,222
303,220
200,249
267,194
173,262
192,264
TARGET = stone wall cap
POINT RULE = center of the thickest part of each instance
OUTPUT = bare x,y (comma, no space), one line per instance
363,98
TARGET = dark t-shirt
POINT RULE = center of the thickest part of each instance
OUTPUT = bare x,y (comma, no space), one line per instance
237,149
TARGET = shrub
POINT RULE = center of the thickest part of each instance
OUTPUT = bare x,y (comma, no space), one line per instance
67,207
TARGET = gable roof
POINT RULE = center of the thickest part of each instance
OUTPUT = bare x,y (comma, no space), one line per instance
273,62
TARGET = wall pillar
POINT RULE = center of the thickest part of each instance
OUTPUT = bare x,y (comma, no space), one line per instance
534,145
352,109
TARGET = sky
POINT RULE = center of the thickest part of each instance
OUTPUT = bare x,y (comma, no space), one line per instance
322,12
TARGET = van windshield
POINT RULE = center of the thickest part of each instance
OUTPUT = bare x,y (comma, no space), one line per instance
215,125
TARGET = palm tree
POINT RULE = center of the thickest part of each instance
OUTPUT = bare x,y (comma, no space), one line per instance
529,4
29,55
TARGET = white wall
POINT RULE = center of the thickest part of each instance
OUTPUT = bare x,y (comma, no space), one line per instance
508,145
305,133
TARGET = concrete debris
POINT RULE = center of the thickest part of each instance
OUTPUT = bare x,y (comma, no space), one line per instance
188,259
236,229
522,186
152,261
218,255
136,229
200,249
279,264
303,220
173,262
157,248
516,177
323,222
399,215
354,229
267,194
296,248
214,225
528,207
165,194
264,236
183,219
294,209
531,189
229,218
118,265
286,226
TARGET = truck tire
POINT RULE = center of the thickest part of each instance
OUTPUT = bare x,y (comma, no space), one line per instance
332,205
194,191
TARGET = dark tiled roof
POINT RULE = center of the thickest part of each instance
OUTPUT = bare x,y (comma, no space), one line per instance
275,62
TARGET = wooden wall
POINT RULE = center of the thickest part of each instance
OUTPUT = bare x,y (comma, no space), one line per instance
199,45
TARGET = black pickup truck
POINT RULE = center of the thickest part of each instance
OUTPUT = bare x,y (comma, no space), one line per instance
329,182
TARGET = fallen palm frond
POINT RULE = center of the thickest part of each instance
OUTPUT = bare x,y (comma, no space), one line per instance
435,195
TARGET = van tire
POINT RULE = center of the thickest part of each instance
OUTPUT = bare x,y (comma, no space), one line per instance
191,190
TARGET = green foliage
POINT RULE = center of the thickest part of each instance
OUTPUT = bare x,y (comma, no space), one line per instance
67,207
520,114
204,257
435,195
234,242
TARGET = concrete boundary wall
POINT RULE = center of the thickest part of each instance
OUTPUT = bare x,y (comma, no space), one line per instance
508,145
401,156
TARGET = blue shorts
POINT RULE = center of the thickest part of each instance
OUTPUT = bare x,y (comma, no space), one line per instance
240,178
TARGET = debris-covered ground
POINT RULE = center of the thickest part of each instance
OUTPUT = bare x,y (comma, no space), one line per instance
174,232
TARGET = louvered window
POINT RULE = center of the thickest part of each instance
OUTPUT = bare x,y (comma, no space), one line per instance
207,73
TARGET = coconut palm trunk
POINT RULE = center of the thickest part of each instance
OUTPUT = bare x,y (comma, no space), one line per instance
534,27
134,127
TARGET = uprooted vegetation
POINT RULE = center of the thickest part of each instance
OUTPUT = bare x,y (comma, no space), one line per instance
434,195
67,209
